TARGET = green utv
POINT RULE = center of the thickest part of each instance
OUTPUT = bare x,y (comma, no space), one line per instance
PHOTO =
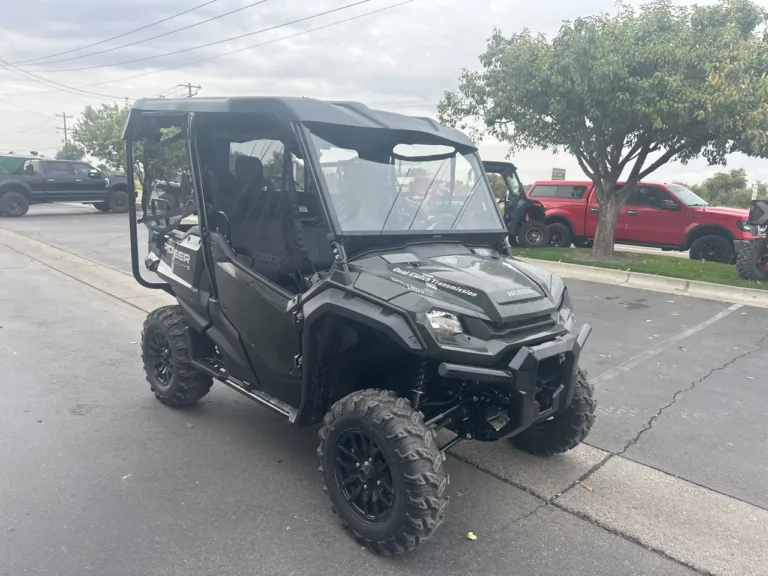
344,270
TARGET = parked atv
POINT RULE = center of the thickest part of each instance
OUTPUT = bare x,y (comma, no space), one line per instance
333,297
752,257
523,217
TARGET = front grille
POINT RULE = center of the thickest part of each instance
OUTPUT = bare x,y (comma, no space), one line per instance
505,329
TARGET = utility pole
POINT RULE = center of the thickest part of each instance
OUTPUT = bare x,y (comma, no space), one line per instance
189,87
64,117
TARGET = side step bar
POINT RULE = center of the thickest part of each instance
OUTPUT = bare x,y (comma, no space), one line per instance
261,397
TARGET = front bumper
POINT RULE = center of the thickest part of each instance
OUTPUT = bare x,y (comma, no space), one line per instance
519,380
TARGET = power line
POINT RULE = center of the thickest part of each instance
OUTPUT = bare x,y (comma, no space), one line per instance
24,109
208,58
147,39
119,35
30,129
50,83
183,50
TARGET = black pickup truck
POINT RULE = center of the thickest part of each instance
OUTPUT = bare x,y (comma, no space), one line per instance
26,180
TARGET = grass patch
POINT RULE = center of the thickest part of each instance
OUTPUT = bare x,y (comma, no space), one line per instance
647,264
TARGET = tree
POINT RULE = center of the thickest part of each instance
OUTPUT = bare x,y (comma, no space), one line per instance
99,132
70,152
624,94
730,189
498,185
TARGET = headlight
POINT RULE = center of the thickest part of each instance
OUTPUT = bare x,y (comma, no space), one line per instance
745,227
565,311
444,323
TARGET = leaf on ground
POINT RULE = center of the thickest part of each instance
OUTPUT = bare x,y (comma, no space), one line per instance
471,536
587,487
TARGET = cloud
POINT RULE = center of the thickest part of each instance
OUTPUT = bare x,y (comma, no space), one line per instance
403,59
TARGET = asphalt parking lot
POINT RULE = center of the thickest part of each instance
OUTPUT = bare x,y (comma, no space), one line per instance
99,478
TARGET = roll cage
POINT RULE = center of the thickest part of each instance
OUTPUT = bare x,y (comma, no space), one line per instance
151,120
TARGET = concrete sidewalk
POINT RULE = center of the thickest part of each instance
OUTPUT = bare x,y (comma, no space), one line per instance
678,286
700,528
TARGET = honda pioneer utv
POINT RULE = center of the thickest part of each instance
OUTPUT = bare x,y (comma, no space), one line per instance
752,255
314,284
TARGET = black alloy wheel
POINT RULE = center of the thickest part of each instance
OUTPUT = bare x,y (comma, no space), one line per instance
711,253
364,476
712,248
559,235
534,235
161,359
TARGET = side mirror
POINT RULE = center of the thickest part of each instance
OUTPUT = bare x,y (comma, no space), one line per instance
670,205
93,173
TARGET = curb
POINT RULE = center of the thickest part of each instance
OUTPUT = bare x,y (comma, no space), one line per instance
692,288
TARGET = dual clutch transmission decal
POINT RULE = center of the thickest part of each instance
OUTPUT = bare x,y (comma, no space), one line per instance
433,282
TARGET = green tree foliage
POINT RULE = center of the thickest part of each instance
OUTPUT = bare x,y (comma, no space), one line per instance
99,132
498,185
730,189
70,152
625,94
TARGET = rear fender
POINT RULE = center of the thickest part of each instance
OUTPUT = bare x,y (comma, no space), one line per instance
16,186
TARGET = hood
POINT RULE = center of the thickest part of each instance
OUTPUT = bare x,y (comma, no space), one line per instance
476,279
722,210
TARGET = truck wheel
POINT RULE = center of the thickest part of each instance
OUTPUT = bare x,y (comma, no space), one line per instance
712,248
118,202
383,471
101,206
565,430
752,261
533,234
14,204
166,356
559,235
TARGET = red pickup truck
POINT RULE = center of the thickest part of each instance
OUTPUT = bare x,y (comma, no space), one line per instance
667,216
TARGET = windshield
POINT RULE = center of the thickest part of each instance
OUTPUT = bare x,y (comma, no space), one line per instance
386,186
687,197
514,185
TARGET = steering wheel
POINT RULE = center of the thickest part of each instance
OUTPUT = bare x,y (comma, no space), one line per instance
445,219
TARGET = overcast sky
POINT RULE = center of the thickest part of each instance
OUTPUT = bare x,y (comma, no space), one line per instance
401,59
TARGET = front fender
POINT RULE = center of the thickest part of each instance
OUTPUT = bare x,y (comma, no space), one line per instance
338,304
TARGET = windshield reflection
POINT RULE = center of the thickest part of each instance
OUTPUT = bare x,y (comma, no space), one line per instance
388,186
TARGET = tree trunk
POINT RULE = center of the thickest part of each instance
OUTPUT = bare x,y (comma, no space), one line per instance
610,206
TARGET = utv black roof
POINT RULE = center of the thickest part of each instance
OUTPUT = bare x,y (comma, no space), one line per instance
493,166
304,110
